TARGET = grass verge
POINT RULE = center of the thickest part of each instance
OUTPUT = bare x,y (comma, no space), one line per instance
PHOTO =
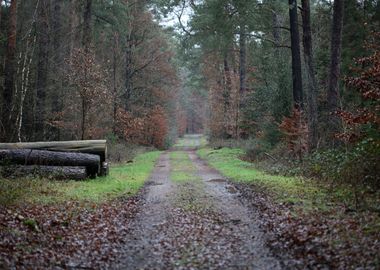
286,189
124,179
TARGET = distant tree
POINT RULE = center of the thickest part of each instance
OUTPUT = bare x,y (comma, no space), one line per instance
88,81
9,74
58,66
87,25
42,69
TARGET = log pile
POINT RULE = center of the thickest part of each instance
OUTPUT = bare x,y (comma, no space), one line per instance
60,160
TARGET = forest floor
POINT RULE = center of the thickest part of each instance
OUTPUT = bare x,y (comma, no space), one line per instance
191,216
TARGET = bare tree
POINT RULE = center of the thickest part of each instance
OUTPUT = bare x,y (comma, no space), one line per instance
10,68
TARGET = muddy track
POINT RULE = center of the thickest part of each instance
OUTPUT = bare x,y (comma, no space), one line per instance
199,223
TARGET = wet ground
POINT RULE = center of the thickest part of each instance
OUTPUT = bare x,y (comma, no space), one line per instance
192,218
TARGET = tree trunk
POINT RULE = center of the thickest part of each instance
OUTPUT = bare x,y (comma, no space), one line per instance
58,63
128,76
114,72
242,60
54,172
226,93
296,55
84,114
276,34
95,147
42,69
87,25
336,45
312,82
50,158
282,98
1,6
9,72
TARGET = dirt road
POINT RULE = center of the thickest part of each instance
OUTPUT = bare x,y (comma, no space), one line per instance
193,219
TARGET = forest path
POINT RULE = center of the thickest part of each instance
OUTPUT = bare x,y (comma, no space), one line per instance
193,219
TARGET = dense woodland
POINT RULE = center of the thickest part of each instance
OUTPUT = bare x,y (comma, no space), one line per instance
281,78
269,110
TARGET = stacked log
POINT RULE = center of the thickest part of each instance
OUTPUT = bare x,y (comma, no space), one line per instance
95,147
53,172
46,157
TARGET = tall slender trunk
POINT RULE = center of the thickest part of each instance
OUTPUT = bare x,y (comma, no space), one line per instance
242,76
227,91
296,55
228,84
242,59
25,74
312,82
282,98
87,25
336,46
1,10
128,76
73,24
58,62
276,34
42,70
84,112
9,73
114,70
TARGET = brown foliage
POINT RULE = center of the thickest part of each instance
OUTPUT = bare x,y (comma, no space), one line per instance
149,129
181,122
367,83
86,107
296,132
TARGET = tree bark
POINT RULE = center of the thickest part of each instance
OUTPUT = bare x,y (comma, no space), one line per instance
282,98
58,63
128,73
227,91
276,34
296,55
114,72
336,46
10,70
50,158
312,82
54,172
42,70
242,59
87,25
1,6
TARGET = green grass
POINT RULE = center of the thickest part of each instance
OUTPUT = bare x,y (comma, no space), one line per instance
182,169
190,194
191,141
286,189
123,180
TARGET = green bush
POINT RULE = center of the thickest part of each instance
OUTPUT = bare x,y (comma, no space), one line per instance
358,165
